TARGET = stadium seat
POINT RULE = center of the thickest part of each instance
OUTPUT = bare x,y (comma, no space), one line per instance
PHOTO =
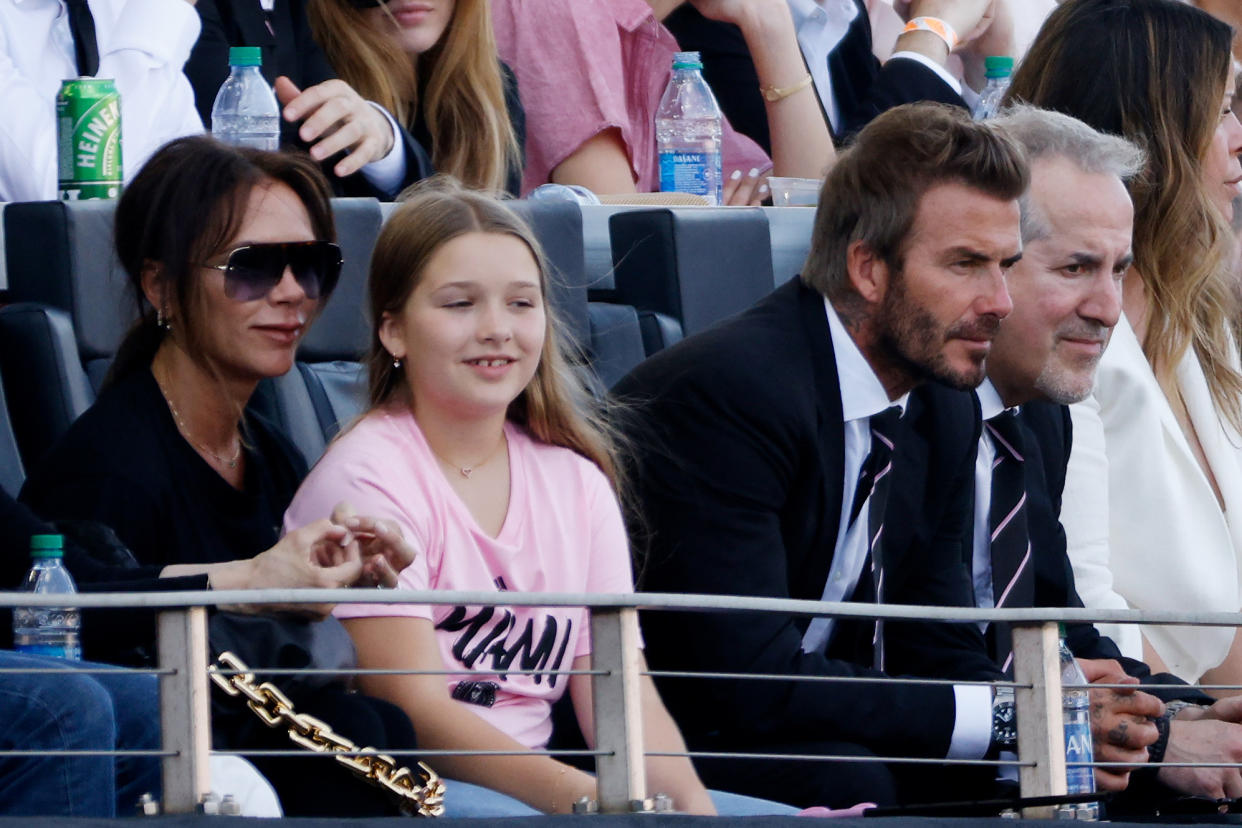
694,266
12,471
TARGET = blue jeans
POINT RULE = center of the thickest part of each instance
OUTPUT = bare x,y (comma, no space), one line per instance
461,799
116,709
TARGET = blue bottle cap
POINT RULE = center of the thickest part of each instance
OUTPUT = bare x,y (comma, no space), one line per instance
997,66
687,60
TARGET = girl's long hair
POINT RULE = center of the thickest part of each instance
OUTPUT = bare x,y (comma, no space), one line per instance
556,407
1154,71
459,79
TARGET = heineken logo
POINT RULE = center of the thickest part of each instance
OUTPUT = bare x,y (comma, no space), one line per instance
97,140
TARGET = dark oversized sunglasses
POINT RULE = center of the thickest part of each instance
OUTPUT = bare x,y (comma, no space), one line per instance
252,271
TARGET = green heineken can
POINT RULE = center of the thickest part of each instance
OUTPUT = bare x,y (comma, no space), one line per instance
88,126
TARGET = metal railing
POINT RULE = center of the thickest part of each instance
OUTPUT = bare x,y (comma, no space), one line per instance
615,673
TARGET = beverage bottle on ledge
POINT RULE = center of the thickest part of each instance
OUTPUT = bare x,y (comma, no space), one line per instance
1076,710
246,113
48,631
688,129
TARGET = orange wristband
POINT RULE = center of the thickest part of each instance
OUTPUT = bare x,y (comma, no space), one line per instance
936,26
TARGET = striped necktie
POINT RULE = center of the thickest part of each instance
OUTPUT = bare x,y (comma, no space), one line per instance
1013,578
873,483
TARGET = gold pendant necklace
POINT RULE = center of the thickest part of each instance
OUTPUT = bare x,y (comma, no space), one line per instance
185,432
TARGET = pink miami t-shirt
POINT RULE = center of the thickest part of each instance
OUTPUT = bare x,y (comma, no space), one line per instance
563,533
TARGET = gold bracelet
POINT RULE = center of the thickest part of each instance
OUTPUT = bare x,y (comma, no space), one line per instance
772,94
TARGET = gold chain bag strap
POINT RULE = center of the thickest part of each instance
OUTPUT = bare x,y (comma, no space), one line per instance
276,710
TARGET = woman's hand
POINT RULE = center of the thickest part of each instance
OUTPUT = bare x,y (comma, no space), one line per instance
335,118
745,190
383,550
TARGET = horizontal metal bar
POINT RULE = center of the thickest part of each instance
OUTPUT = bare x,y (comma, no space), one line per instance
401,752
832,757
359,671
100,670
886,680
78,753
643,600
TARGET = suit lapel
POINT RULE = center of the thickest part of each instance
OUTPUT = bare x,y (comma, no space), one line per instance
809,575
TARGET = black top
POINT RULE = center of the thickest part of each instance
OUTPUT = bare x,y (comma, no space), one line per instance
284,36
124,464
517,118
862,86
738,438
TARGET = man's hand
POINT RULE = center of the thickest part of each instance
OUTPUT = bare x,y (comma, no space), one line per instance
1121,726
1204,740
383,549
334,118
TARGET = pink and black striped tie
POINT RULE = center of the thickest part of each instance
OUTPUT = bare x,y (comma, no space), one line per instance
1013,577
873,483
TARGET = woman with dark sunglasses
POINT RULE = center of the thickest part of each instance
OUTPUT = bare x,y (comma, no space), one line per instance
231,255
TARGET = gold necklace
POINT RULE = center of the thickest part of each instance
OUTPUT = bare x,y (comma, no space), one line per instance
466,471
185,432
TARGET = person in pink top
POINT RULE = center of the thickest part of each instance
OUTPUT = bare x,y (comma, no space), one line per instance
591,73
484,450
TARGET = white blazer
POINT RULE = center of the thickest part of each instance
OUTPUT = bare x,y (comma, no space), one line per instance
1143,527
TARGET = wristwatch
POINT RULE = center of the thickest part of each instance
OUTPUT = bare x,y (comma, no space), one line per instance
1004,721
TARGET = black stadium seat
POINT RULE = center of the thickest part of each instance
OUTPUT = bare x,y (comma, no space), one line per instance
693,266
12,471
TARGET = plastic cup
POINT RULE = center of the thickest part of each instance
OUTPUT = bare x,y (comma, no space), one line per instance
794,192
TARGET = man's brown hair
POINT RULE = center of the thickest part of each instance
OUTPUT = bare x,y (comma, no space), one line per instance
873,191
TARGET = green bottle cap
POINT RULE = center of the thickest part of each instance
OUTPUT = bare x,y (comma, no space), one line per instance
47,546
997,66
687,60
1061,629
245,56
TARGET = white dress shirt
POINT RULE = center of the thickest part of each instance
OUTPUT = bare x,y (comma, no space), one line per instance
143,45
863,395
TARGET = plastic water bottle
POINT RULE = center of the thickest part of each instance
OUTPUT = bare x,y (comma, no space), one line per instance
997,71
688,133
48,631
246,113
1076,709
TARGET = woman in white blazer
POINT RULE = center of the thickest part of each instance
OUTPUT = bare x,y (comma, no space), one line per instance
1153,499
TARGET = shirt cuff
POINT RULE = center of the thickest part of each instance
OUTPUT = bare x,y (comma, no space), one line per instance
972,725
388,172
953,82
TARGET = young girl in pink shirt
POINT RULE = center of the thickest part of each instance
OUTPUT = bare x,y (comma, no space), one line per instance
485,450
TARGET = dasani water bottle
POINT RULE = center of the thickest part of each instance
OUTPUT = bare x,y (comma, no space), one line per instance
48,631
688,126
1076,709
246,113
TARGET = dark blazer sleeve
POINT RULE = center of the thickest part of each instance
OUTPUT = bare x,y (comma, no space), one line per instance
1050,438
730,490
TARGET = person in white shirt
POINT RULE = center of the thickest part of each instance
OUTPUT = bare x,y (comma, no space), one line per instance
142,45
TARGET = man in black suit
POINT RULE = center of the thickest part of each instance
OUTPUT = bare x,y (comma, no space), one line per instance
382,157
762,462
1076,232
851,83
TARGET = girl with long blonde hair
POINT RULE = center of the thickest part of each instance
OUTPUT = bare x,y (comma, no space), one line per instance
433,64
484,448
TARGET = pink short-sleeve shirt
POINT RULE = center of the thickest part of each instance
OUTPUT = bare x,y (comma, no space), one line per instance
563,533
584,66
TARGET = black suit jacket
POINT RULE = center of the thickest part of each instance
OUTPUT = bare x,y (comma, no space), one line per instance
288,49
739,444
1047,431
863,87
